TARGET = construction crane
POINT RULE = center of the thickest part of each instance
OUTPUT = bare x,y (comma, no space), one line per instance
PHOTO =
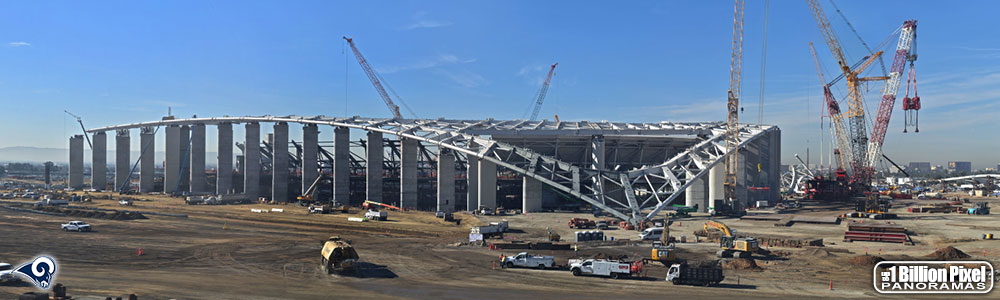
542,92
833,109
856,109
732,205
907,39
374,77
85,135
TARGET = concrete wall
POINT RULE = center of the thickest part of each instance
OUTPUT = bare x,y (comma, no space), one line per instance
310,146
341,165
375,158
251,160
446,181
172,163
487,184
123,161
147,164
224,175
531,195
279,172
409,151
76,162
198,182
99,161
185,159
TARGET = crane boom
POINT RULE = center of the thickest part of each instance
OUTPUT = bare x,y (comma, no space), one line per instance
374,79
732,107
833,108
907,36
79,120
541,93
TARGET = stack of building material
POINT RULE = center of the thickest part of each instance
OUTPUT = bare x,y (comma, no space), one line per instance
935,208
765,240
876,233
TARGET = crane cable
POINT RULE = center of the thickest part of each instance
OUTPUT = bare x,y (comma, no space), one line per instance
763,65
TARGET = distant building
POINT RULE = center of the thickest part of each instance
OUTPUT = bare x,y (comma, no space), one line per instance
960,166
917,167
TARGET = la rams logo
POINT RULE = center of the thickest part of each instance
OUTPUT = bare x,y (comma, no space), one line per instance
41,271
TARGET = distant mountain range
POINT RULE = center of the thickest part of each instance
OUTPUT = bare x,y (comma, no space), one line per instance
61,155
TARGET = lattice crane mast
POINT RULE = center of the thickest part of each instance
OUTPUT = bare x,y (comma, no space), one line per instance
541,93
732,108
374,79
905,52
833,109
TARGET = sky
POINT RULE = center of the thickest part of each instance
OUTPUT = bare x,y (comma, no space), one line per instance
115,62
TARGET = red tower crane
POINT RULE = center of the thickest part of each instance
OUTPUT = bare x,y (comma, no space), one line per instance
374,79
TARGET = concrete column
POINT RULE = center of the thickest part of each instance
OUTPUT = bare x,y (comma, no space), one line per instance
147,164
598,160
774,170
374,157
123,161
310,146
531,195
696,193
716,185
408,151
172,163
185,158
76,162
446,181
198,183
224,171
279,172
99,161
487,184
251,161
472,178
341,165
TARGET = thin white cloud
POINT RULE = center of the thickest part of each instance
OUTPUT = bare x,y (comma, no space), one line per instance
464,78
18,44
420,22
440,60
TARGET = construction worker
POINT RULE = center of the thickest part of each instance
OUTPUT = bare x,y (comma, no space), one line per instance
576,250
502,259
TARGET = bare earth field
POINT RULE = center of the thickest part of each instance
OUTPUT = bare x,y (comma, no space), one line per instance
228,252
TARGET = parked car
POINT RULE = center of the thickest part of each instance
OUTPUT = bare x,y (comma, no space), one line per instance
651,234
77,226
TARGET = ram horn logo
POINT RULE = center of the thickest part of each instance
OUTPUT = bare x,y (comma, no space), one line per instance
40,271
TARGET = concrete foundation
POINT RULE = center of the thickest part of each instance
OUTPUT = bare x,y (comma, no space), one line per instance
310,146
99,161
198,183
172,163
147,160
76,162
341,165
224,173
123,160
251,161
279,172
409,151
446,181
531,195
374,155
472,182
487,184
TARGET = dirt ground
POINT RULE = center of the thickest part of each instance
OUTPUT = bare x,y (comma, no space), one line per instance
229,252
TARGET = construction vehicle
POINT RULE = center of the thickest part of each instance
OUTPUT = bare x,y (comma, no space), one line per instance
703,275
980,208
526,260
683,210
581,223
370,204
495,229
541,94
376,80
732,246
663,249
309,194
319,209
603,267
376,215
338,256
731,206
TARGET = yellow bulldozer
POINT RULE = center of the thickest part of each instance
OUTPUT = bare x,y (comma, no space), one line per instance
339,256
732,246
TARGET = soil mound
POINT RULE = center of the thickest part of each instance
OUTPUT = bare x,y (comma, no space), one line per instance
816,252
743,264
948,253
866,260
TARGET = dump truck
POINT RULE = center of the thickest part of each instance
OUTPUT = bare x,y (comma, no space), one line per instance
703,275
526,260
495,229
603,267
338,256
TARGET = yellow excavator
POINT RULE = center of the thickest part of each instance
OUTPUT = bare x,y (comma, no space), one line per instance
732,246
663,250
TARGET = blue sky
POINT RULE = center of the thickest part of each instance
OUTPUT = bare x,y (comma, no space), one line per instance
118,62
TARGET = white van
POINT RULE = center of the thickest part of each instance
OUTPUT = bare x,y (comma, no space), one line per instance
651,234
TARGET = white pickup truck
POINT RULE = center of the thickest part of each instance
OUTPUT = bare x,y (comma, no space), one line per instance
76,226
602,267
49,202
526,260
375,215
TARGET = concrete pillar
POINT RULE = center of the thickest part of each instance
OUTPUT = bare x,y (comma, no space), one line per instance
446,180
279,172
224,171
76,162
185,159
716,185
531,195
472,180
310,146
341,165
99,161
487,184
374,157
251,161
408,152
774,169
696,193
147,163
172,163
198,183
123,161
